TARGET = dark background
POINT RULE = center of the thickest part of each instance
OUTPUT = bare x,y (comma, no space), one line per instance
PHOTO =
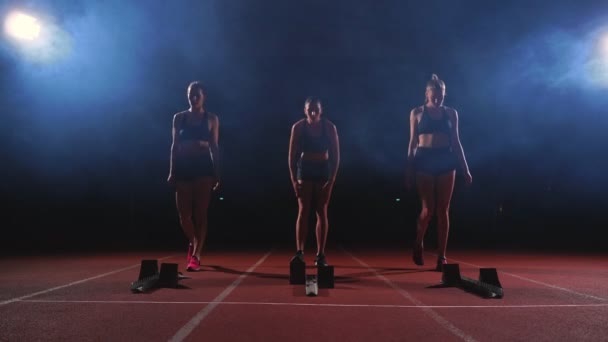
85,131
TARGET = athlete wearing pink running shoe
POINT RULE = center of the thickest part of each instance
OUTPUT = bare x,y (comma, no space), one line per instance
194,169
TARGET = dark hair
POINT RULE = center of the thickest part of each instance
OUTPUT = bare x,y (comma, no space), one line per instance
196,85
312,99
435,82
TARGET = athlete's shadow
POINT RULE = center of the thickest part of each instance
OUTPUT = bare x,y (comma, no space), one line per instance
354,277
375,272
217,268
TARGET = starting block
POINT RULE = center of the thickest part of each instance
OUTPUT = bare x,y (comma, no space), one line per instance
297,272
325,277
488,285
150,277
168,276
323,280
489,276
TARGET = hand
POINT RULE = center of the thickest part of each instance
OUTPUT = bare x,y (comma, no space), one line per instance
468,179
203,144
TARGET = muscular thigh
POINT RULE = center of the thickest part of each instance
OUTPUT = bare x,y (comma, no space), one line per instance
202,188
306,194
426,189
321,196
445,188
184,192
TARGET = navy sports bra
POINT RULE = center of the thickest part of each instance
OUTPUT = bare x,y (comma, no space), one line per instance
314,144
428,125
198,131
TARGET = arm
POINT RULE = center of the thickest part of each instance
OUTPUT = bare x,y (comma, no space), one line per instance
456,145
174,143
293,152
334,153
214,145
411,149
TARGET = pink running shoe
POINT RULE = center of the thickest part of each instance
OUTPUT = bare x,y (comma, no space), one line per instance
190,251
194,265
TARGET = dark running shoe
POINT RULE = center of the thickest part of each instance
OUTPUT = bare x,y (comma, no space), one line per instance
299,256
320,260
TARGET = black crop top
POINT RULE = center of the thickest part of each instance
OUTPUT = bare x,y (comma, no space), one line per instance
198,131
314,144
428,125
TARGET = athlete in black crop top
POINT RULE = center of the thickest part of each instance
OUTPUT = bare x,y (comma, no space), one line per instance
428,125
194,169
434,153
314,157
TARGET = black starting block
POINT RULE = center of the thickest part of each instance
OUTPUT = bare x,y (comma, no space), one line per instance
323,280
168,276
451,275
151,278
297,272
325,277
489,276
488,285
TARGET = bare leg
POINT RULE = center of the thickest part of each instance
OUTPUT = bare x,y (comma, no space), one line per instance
202,197
445,188
426,190
183,200
304,204
322,201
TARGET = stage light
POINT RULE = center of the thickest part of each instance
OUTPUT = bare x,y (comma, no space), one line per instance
22,26
597,65
38,39
603,47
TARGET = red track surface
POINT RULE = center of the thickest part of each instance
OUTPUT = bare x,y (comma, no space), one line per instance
379,295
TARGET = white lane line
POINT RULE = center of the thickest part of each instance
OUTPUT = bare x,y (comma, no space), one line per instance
429,311
16,299
130,302
538,282
196,320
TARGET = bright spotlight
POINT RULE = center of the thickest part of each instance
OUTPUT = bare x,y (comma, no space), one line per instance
604,47
22,26
597,65
39,39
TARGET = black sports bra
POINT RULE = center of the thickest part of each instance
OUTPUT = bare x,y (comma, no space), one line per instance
198,131
428,125
314,144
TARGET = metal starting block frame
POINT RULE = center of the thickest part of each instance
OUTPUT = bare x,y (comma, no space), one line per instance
150,277
488,285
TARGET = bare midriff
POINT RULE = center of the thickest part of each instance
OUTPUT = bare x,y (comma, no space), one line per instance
433,140
193,148
315,156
